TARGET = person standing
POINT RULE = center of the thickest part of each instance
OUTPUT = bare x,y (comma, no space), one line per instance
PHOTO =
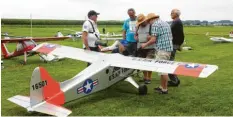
142,35
178,39
90,31
161,35
129,29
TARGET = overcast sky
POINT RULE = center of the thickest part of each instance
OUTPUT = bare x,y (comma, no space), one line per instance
116,9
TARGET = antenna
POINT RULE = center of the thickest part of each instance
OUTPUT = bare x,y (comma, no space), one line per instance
31,24
31,30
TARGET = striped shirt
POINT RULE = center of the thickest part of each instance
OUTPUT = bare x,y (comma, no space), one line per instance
162,31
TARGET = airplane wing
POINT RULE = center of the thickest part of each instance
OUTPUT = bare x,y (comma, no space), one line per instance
110,38
36,39
171,67
68,52
118,60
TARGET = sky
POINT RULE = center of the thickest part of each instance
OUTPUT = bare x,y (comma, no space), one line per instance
210,10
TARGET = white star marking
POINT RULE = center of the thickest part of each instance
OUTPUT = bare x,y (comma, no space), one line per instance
192,65
88,86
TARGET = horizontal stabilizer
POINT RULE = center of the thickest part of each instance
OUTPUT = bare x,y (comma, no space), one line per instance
22,101
43,107
51,109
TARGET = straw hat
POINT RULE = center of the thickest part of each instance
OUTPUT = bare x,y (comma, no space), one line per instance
151,16
140,19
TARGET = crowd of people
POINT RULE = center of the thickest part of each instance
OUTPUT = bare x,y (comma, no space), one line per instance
146,37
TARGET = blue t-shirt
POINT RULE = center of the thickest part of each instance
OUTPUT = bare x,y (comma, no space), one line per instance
130,28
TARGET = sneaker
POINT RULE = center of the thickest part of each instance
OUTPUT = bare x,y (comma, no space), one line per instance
163,92
158,89
147,82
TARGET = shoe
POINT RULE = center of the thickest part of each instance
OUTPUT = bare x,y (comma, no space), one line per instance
163,92
158,89
147,82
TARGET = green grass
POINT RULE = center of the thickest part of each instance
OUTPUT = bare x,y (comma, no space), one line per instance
211,96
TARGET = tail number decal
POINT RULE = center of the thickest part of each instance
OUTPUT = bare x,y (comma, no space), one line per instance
39,85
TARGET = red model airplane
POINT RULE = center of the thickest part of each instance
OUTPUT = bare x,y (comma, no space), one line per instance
24,46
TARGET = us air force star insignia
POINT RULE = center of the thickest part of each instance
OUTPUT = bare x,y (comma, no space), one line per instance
87,86
50,45
191,66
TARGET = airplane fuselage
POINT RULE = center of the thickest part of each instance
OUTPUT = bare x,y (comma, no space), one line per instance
87,85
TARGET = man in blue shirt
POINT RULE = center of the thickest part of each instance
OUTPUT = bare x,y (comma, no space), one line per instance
129,29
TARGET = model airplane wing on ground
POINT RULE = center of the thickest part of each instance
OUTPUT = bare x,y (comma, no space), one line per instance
118,60
221,39
39,39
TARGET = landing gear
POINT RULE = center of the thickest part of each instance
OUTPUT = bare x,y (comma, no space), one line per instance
174,80
142,89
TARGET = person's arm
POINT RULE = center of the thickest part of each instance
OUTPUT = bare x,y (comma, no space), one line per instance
124,30
84,38
151,41
151,38
136,34
124,34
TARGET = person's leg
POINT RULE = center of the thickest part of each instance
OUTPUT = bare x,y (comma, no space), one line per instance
96,49
174,80
149,74
162,55
173,54
150,54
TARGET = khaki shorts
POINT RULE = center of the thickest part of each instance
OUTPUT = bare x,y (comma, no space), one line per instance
162,55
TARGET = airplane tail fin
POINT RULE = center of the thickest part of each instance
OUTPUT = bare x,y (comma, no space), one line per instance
44,88
46,95
5,51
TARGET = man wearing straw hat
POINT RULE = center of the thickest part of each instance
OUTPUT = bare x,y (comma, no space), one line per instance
142,35
161,35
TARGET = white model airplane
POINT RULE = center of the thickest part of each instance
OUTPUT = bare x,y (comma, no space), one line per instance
76,35
111,36
47,95
221,40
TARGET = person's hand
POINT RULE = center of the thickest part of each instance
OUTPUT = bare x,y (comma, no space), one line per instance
136,37
143,45
87,48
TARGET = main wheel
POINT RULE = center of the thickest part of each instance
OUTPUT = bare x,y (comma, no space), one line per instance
142,90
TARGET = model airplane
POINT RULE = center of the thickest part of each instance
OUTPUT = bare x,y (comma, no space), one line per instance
47,95
76,35
221,40
25,45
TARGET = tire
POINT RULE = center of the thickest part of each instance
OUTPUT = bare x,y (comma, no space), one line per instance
142,90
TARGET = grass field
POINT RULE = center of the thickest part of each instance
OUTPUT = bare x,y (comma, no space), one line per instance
211,96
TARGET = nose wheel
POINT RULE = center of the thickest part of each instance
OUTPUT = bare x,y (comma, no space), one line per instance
142,89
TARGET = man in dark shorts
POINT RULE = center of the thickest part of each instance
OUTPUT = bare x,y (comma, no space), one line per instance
142,35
